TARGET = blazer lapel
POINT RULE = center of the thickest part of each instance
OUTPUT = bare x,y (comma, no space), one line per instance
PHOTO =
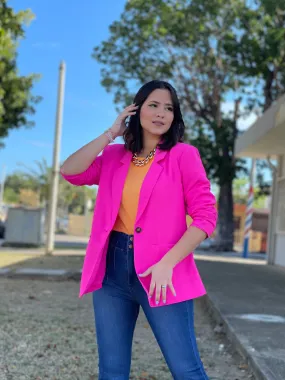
149,182
118,183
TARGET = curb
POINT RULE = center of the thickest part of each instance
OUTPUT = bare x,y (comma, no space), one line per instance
41,274
216,314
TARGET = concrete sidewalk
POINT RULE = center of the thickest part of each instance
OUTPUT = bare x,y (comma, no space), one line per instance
249,300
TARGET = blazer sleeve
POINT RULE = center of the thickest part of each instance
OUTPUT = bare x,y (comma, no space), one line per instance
91,176
199,200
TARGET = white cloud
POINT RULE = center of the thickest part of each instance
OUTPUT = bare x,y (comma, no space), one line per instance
243,122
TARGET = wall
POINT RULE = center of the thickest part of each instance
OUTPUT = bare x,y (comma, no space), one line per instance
282,160
280,250
279,254
79,225
259,228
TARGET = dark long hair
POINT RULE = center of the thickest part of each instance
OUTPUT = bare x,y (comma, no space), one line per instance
133,137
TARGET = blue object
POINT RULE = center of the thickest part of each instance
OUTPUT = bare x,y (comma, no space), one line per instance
245,247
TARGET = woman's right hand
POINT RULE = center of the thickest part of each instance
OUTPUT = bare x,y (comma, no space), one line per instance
81,160
119,126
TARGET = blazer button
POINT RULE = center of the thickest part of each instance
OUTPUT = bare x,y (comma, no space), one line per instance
138,229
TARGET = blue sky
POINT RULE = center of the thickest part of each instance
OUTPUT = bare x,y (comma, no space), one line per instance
66,31
63,31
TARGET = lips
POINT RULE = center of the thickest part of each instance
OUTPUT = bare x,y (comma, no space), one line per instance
158,123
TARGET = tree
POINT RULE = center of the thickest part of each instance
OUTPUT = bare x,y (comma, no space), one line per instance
240,190
182,41
70,198
240,193
10,196
199,46
13,185
74,199
38,179
16,100
258,52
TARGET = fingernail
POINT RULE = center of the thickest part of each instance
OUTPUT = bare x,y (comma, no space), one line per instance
164,301
149,296
157,302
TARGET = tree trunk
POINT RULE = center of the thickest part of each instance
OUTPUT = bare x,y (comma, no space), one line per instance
225,229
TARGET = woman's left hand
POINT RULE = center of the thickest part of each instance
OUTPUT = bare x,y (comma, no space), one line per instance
161,278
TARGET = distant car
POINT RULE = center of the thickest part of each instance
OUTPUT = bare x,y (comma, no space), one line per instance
207,244
62,224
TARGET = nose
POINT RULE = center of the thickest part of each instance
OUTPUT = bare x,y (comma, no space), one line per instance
160,113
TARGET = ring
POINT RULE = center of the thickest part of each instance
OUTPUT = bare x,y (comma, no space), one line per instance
164,286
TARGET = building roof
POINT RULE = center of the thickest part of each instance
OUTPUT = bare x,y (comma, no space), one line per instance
266,137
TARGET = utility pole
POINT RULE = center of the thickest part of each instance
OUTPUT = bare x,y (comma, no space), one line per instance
3,178
249,211
55,165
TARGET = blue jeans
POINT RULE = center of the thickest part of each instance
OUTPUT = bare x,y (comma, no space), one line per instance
116,308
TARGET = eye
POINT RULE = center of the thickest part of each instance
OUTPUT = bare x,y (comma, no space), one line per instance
170,109
152,105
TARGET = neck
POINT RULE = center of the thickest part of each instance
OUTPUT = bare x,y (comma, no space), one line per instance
149,143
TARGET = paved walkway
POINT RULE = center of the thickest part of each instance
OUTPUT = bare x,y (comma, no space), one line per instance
249,298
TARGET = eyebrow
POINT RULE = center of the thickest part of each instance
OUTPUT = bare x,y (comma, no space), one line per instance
167,104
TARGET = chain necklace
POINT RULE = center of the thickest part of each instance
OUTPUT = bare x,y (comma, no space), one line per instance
145,161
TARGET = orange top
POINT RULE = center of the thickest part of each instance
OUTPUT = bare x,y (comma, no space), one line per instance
126,218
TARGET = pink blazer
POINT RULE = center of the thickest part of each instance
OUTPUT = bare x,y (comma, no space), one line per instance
175,184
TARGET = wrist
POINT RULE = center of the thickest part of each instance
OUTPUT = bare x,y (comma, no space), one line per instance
110,134
168,260
115,133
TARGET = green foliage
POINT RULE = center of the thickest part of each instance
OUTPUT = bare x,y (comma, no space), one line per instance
180,41
16,99
11,196
211,51
38,179
16,181
74,198
240,190
240,193
257,51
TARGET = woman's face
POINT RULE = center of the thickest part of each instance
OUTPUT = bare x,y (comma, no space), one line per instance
157,114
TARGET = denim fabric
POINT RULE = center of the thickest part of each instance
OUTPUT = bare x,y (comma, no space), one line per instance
116,308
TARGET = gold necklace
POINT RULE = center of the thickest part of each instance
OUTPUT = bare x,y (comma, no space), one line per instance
144,161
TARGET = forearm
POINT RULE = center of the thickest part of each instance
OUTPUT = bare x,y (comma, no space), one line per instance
79,161
189,241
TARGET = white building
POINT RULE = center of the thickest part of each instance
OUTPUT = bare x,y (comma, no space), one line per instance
266,138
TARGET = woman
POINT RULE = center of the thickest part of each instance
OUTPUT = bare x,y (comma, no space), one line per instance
140,249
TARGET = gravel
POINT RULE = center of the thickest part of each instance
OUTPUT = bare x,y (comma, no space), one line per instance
47,332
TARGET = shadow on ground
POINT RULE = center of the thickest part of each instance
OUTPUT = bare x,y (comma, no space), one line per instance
72,262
